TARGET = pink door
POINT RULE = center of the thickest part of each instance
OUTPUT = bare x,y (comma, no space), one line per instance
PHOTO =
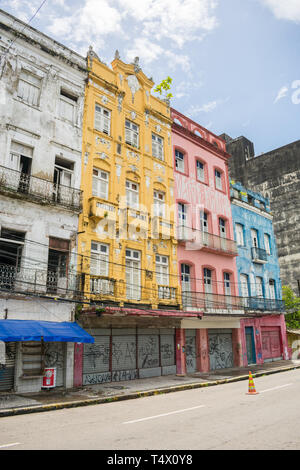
271,342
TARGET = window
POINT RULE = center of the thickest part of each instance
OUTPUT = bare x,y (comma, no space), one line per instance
207,281
204,221
133,274
259,287
131,133
222,227
200,171
157,147
239,234
218,180
267,241
254,238
186,278
99,263
100,183
244,285
132,194
179,161
21,160
227,287
272,291
67,105
159,204
102,119
29,88
162,270
182,214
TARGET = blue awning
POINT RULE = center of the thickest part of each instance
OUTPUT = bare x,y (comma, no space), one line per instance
33,330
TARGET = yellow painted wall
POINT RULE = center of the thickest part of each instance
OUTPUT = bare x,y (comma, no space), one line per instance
126,93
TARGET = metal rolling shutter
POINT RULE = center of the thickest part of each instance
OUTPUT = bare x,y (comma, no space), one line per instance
7,373
167,351
190,348
124,354
148,353
220,349
96,358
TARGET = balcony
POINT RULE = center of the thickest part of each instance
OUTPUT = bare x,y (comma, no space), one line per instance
207,241
166,293
212,303
102,286
100,209
259,303
39,190
25,280
259,255
161,228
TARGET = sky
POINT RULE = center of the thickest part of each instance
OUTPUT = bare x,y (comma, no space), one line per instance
234,64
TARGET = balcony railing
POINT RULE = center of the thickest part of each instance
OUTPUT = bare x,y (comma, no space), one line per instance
39,189
207,301
166,293
34,280
259,255
206,241
259,303
100,285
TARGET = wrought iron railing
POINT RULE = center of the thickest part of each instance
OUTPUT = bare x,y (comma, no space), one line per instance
30,279
203,240
259,254
39,189
206,301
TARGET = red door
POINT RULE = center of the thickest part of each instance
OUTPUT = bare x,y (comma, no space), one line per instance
271,342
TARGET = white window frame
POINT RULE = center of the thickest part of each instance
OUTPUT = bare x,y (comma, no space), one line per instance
267,242
222,228
244,285
218,179
239,228
272,289
133,274
157,146
132,194
102,119
67,106
200,171
29,88
227,283
259,287
100,183
179,161
162,270
99,262
132,133
159,199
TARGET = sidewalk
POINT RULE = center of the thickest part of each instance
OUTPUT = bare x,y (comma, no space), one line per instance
54,399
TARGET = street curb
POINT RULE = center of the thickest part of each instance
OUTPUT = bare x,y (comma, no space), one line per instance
134,395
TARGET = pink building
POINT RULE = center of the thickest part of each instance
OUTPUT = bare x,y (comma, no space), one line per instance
206,249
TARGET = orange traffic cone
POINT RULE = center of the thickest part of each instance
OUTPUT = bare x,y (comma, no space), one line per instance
251,388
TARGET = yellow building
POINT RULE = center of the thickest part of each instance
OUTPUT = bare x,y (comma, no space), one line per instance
128,252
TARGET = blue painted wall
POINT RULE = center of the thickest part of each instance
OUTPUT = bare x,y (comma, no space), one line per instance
242,214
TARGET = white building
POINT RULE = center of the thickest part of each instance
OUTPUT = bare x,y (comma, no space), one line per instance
42,87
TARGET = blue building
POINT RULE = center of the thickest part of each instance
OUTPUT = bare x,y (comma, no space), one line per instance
263,329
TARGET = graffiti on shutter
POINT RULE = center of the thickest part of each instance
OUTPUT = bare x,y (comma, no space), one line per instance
220,350
7,370
96,361
190,348
124,357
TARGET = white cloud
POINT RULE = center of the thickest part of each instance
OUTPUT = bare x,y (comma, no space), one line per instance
285,9
281,93
206,108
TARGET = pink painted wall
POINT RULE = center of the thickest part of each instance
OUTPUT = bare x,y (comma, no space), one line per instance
203,196
258,324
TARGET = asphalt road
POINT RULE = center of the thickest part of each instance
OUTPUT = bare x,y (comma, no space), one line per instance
219,417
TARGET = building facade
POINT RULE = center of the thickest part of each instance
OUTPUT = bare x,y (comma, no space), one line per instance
275,175
206,247
264,337
127,246
42,95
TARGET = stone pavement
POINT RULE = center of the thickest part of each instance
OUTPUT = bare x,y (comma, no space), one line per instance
54,399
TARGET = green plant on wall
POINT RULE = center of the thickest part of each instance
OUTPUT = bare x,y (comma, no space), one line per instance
163,88
292,307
